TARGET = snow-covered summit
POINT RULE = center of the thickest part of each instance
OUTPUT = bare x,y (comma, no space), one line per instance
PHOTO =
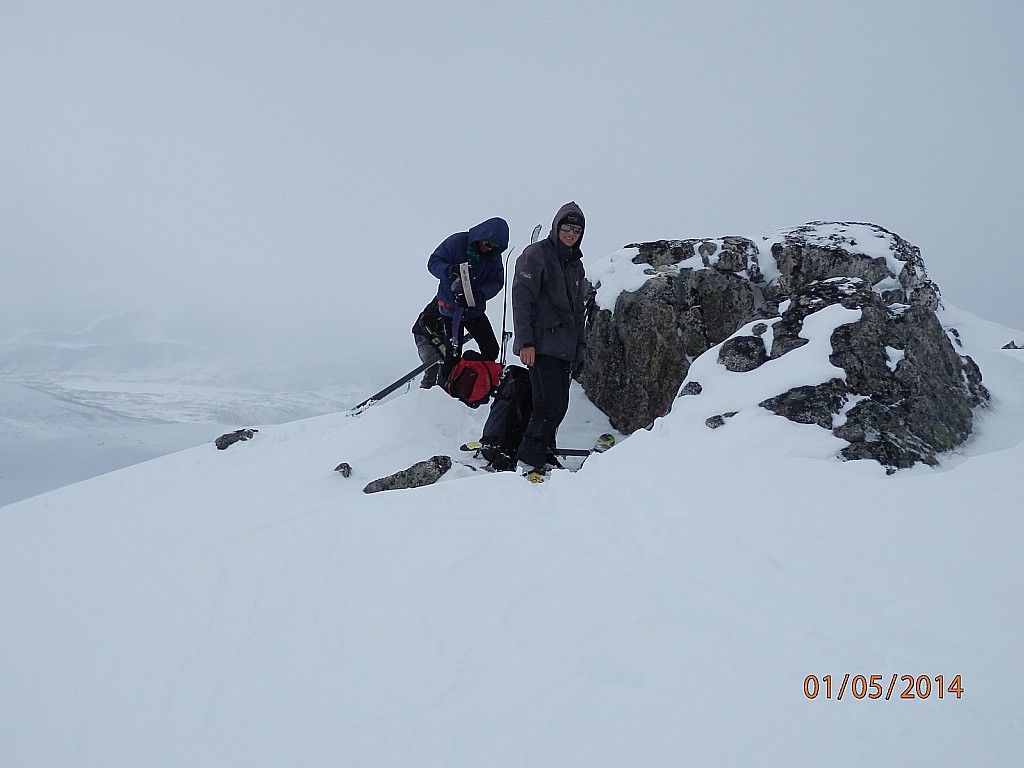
667,604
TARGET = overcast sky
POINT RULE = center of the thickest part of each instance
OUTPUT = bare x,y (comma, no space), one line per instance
276,173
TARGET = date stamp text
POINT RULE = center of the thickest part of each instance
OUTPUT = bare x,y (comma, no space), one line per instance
882,687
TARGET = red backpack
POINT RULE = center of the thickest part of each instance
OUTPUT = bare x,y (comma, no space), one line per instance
474,379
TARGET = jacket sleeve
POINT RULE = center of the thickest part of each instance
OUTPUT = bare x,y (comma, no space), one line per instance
526,286
440,262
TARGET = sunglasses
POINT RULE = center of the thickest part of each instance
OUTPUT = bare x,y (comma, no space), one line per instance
576,229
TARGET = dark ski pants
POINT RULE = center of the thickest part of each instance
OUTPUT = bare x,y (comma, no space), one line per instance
479,328
549,378
427,351
426,331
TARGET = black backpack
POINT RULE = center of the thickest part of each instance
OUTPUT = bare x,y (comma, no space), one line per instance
429,328
506,423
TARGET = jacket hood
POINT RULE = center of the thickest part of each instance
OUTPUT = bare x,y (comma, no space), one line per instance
564,211
493,230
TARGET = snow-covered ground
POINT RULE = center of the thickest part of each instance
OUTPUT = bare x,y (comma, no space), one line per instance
115,392
663,606
57,432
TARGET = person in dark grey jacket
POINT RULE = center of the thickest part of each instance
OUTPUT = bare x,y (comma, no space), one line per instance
548,316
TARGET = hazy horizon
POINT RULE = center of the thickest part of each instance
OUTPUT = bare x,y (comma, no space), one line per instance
273,177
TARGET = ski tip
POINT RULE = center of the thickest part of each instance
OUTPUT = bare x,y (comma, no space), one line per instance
604,442
471,446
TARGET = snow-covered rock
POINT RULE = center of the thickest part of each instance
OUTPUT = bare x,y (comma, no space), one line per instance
661,305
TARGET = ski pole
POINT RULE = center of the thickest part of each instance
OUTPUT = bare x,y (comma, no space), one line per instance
377,396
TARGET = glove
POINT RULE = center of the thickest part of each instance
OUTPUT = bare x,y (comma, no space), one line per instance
455,272
579,365
459,293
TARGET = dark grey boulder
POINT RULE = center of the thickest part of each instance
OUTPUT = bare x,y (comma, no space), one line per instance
742,353
690,388
714,422
419,474
239,435
810,404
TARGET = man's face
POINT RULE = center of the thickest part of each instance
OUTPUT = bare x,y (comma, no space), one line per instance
569,234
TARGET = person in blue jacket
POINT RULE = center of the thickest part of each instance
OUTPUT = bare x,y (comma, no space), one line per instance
481,247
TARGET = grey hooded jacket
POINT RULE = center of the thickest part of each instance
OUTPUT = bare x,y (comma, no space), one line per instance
548,294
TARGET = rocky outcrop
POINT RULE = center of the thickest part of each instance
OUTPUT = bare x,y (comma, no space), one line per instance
821,250
419,474
904,393
640,353
906,396
238,436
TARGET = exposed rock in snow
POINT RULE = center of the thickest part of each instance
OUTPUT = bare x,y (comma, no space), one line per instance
419,474
916,409
239,435
639,354
810,404
742,353
906,395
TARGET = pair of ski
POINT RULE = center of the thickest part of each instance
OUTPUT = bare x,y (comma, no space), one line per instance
602,444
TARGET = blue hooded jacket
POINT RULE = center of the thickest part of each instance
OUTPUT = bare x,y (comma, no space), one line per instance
488,274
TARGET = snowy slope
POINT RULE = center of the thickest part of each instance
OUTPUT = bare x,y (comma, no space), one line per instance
117,391
661,607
